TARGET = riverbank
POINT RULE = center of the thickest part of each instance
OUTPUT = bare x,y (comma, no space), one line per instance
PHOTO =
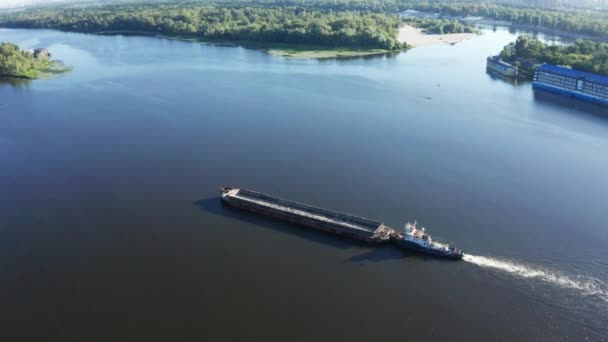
292,51
416,37
297,52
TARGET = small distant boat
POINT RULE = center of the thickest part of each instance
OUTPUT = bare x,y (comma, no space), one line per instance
418,240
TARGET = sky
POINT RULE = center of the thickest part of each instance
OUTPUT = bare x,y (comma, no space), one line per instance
13,3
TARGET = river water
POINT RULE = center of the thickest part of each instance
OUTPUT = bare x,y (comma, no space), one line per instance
111,228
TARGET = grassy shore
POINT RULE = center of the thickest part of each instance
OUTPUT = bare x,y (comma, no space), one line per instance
319,52
293,51
48,70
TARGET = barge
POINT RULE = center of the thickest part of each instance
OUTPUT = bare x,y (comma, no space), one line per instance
354,227
497,65
305,215
573,83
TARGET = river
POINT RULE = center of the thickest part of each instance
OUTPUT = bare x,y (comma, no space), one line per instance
111,228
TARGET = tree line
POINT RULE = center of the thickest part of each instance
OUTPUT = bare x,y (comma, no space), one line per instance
586,55
592,23
565,19
249,23
588,22
330,23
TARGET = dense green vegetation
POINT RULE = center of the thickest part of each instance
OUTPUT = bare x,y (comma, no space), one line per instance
17,63
289,24
441,26
593,23
354,24
527,52
588,22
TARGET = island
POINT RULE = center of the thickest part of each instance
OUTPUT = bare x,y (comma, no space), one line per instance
15,62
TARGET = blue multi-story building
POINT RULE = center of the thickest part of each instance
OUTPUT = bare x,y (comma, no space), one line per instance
583,85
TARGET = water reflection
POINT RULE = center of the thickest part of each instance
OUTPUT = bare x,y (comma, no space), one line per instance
15,82
386,55
547,36
498,77
548,98
100,169
384,253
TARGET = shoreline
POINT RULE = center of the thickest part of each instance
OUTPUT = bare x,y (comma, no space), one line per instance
285,50
337,53
54,68
416,37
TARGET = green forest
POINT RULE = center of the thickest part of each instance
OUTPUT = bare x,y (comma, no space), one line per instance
368,24
15,62
581,21
592,23
289,24
527,52
331,24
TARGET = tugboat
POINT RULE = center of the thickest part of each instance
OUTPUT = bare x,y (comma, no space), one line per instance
418,240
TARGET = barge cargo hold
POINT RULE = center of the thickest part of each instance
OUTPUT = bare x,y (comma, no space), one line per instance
306,215
581,85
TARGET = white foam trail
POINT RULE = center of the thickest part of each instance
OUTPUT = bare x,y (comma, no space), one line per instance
586,285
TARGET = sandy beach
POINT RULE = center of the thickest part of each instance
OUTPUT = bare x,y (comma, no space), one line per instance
416,37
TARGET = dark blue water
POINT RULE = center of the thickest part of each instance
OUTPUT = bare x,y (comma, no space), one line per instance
111,228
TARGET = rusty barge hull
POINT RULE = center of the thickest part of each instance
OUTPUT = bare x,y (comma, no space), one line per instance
308,216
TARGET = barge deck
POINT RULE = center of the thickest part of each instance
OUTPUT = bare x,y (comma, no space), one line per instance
337,223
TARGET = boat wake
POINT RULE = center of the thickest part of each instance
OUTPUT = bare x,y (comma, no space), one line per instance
585,285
